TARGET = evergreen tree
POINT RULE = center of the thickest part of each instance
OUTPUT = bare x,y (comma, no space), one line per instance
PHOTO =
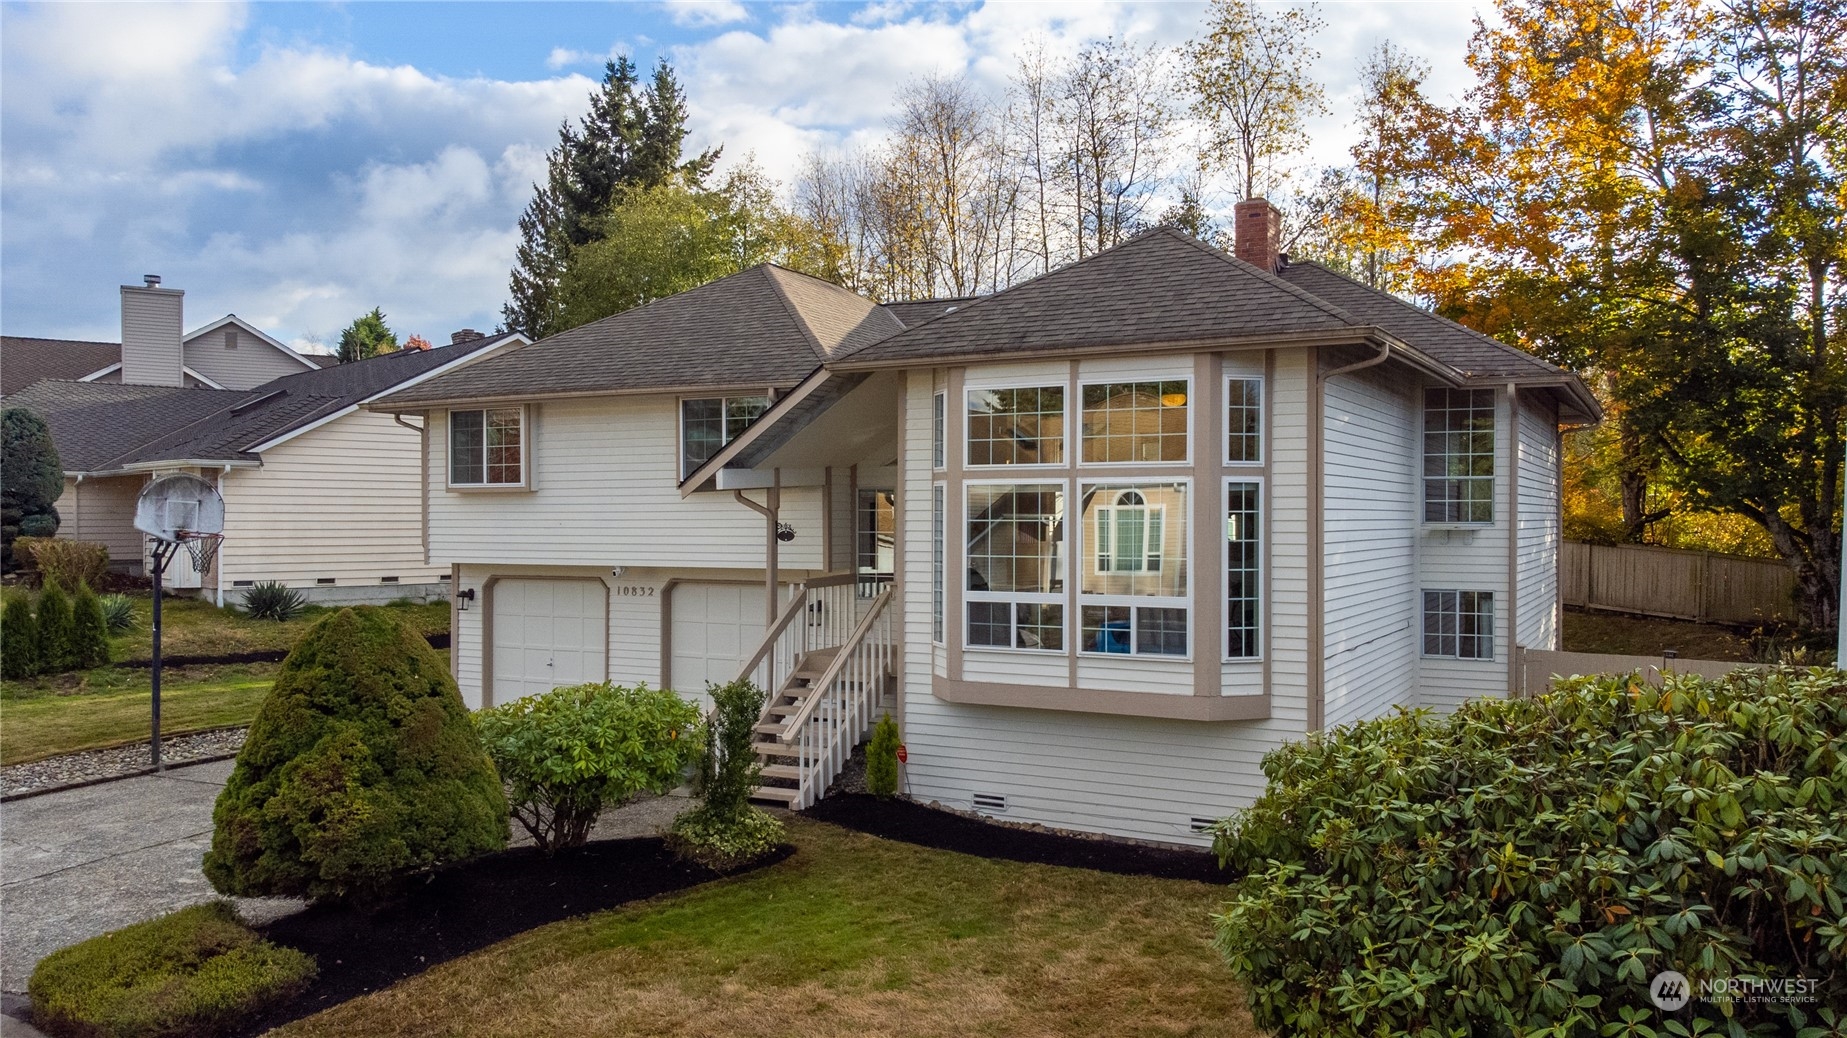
57,633
31,478
632,137
19,655
90,629
367,337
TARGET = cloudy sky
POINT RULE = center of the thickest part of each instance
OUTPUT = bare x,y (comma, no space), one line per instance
301,163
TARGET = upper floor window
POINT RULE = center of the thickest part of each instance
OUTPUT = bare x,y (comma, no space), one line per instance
1132,598
1024,426
707,425
1126,422
1459,624
1243,420
937,518
1458,456
938,430
487,447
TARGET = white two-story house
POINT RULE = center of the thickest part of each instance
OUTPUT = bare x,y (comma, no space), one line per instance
1099,541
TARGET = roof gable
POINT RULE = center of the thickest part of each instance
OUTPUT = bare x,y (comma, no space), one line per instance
262,336
1161,286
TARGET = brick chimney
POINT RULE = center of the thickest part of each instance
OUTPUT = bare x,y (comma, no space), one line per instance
465,335
1257,233
153,353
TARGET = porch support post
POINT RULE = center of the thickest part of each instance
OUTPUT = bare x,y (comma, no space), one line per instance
773,552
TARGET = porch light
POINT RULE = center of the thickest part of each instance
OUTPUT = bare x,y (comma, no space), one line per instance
1173,399
463,597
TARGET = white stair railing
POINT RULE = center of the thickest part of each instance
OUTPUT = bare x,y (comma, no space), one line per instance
822,734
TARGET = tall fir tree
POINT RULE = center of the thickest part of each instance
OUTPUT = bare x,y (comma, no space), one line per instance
632,137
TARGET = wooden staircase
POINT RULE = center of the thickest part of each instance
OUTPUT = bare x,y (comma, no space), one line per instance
782,781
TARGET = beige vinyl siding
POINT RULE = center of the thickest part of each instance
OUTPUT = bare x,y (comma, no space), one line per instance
605,492
1128,776
342,501
1371,624
151,331
1539,536
102,510
251,364
1473,559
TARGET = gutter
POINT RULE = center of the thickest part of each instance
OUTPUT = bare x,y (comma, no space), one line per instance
690,389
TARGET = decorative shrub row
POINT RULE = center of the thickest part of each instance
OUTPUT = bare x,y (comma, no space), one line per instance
59,634
196,972
1527,866
568,754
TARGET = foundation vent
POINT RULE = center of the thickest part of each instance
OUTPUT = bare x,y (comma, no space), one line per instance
1200,825
990,802
243,583
323,580
387,580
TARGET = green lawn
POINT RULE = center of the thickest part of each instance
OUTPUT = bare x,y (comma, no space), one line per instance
108,706
852,936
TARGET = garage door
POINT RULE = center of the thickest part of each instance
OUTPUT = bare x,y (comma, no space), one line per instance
548,633
715,627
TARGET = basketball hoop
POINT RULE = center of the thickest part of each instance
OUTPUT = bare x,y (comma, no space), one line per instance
203,547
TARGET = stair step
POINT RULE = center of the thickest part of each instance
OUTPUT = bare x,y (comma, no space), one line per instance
782,771
768,728
779,794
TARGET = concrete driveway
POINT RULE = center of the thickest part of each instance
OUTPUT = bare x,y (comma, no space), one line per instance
81,862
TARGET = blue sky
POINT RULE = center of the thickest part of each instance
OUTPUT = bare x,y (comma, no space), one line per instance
301,163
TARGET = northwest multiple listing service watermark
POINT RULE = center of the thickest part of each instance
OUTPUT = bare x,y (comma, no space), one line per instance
1671,991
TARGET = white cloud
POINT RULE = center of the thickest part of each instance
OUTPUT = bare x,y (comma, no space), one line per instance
705,13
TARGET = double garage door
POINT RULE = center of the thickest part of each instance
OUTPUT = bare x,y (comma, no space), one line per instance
551,633
547,634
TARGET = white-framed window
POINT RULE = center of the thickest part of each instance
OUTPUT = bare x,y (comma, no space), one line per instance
939,431
1243,570
938,517
875,529
487,447
1459,456
1135,422
1022,425
1243,420
1014,595
1459,624
707,424
1133,594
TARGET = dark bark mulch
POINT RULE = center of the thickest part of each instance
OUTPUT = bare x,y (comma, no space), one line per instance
468,907
910,822
437,641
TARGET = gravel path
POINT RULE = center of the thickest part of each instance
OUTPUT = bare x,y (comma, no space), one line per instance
73,769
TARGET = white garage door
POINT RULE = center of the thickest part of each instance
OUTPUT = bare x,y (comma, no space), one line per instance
715,627
548,633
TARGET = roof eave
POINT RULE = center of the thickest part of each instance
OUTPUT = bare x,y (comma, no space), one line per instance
758,428
711,389
1345,336
190,463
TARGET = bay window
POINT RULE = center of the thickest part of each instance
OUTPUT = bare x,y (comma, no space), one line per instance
1015,540
1243,420
1024,426
1126,422
1132,597
1243,576
486,447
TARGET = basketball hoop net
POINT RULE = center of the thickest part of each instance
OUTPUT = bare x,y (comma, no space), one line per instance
203,547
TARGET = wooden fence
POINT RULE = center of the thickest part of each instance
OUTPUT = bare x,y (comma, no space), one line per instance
1683,585
1537,667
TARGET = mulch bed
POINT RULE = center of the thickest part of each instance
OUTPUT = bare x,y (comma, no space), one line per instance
466,908
437,641
910,822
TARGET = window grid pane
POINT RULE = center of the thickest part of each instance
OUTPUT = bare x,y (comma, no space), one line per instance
1016,426
707,425
1243,579
1459,624
503,445
467,452
1458,455
1016,562
1244,420
1132,598
939,432
936,562
1135,421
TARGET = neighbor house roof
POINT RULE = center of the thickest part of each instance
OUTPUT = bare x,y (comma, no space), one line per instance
1468,351
25,360
1159,287
765,326
108,426
913,312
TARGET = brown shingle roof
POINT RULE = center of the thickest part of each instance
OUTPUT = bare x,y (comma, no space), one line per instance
765,326
1161,286
1468,351
25,360
97,425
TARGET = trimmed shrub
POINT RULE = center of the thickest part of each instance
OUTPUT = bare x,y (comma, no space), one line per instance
31,478
273,601
57,631
361,768
60,560
198,971
882,759
19,655
725,831
566,755
1528,866
89,629
118,613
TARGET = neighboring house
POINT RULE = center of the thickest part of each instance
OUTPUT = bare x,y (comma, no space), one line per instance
229,353
1100,541
320,495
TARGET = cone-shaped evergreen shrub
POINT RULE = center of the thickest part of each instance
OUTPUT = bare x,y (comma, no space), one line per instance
89,629
57,633
882,759
19,656
361,767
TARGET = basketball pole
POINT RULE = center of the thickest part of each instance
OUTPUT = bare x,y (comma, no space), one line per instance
162,552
